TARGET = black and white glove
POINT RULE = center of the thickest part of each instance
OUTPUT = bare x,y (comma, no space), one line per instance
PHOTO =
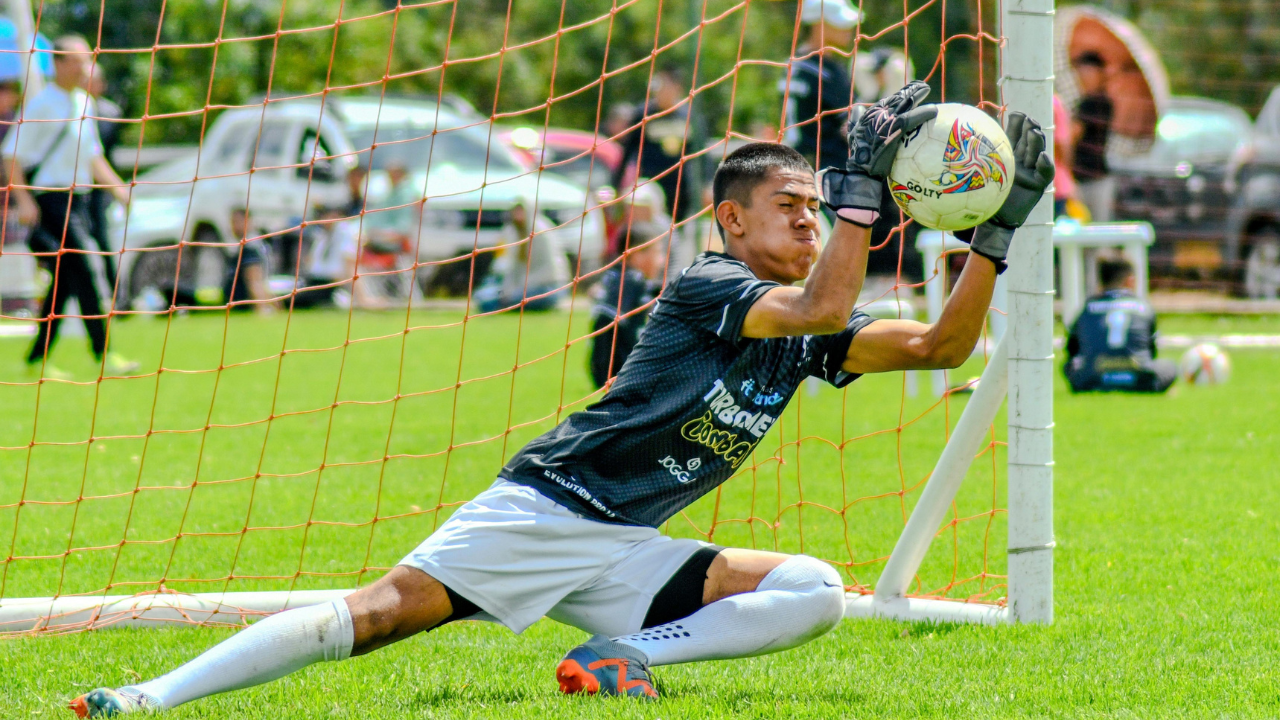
854,194
1032,174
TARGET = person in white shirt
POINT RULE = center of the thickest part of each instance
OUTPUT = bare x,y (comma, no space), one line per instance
530,268
55,151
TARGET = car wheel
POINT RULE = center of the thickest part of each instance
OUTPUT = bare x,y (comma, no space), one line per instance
1262,267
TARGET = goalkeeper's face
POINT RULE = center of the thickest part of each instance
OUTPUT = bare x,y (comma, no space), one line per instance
777,232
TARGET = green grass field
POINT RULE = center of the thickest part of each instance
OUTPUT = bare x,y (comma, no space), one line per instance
1166,520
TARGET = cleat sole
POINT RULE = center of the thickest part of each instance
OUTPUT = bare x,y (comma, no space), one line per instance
79,707
573,679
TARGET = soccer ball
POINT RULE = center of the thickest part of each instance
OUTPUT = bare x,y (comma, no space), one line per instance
954,172
1205,364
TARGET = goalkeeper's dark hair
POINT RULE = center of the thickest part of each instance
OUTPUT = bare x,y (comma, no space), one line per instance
747,167
1113,271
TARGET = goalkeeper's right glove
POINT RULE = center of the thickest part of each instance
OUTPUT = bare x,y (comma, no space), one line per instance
855,193
1033,172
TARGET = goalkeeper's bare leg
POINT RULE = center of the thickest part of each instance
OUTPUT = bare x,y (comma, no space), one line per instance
752,603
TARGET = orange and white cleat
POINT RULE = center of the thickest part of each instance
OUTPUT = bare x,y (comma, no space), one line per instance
105,702
602,666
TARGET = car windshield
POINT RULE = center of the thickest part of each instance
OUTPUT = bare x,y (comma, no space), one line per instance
1197,134
414,146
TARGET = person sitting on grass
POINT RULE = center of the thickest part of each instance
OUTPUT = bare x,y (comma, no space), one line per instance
530,269
247,273
1112,345
332,247
570,528
625,288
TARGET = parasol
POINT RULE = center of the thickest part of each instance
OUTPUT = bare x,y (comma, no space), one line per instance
1138,84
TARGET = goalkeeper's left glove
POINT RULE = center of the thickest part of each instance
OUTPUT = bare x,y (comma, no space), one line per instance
1033,173
855,193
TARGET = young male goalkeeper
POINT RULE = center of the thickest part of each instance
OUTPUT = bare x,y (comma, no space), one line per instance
569,529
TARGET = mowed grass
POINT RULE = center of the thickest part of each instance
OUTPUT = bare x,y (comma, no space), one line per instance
1167,520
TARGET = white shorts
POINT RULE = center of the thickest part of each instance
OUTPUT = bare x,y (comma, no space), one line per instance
518,556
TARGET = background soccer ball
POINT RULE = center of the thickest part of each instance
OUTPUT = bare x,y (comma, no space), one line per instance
954,172
1205,364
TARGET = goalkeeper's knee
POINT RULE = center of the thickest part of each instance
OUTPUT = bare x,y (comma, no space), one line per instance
820,587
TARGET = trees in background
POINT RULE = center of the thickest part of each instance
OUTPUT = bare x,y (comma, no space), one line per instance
215,52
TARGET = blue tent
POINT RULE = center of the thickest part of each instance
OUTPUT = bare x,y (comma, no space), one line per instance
11,54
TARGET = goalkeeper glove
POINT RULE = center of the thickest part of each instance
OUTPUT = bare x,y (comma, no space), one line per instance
1032,174
855,193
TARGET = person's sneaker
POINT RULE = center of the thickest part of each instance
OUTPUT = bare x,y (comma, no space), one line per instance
115,364
105,702
47,371
601,665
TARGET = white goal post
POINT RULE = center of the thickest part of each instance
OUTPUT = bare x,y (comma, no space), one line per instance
1020,367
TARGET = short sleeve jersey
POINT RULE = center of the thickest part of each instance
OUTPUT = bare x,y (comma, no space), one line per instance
688,407
1115,335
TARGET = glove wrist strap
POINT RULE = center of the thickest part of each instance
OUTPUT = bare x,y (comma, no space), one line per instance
992,241
852,197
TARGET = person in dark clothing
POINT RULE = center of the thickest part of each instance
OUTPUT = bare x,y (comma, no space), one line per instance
1112,345
109,127
56,145
1090,131
818,91
656,143
621,294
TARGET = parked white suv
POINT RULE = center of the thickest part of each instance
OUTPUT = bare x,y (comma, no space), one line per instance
295,154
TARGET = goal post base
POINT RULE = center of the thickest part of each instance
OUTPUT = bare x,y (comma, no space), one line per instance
65,614
909,609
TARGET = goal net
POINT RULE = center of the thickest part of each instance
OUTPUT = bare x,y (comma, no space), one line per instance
365,261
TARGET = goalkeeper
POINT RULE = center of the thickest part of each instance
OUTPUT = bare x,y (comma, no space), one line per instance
569,529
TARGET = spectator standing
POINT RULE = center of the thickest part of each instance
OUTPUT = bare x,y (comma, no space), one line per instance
531,270
10,97
57,145
817,90
1089,133
622,292
109,127
1112,345
656,143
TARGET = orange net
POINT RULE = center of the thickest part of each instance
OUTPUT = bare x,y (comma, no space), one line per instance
344,327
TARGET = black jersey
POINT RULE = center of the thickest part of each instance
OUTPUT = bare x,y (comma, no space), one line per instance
1112,343
689,406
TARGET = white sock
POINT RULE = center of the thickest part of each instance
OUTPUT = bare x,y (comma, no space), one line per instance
798,601
269,649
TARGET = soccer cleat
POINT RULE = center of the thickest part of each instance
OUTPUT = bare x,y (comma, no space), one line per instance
105,702
601,665
116,364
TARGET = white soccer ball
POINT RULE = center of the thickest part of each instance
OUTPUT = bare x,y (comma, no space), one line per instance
1205,364
954,172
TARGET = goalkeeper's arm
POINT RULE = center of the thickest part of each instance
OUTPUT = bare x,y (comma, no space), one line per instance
889,345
